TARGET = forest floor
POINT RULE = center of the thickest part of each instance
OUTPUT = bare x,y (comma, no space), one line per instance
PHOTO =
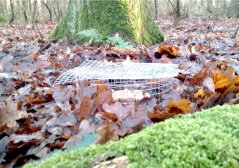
37,118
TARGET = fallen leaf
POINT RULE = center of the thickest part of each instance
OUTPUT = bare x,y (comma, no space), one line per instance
199,94
106,133
220,80
120,110
169,50
178,107
3,145
63,120
26,137
211,101
86,108
209,84
198,77
9,113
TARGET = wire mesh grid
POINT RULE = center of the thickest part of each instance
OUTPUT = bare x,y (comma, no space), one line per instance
128,81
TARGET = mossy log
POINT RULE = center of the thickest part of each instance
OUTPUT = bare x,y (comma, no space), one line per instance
130,18
205,139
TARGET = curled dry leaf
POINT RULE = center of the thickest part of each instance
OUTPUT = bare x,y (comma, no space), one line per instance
199,94
86,127
198,77
3,146
86,108
171,51
9,114
120,110
103,97
173,108
64,120
178,107
221,81
211,101
106,133
26,137
61,97
209,84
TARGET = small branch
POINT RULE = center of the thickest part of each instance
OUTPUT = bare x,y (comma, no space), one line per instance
236,32
39,31
174,8
46,46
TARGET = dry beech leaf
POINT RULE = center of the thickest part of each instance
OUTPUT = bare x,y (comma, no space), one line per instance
165,59
63,120
86,107
198,78
61,97
26,137
209,84
173,108
35,100
100,88
120,110
159,116
211,101
220,80
181,106
9,114
199,94
110,116
86,127
103,97
169,50
106,133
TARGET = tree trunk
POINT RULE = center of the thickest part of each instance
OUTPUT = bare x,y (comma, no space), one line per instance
131,18
156,9
233,8
236,8
24,8
209,6
12,12
48,9
34,14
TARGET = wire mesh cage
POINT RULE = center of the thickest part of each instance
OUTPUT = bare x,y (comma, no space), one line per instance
128,81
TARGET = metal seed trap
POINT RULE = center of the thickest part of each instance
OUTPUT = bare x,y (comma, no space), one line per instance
128,81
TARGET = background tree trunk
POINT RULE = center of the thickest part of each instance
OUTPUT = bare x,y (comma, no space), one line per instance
48,9
12,12
156,9
129,18
209,6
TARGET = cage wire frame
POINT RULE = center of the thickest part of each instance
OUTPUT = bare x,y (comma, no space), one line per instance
128,81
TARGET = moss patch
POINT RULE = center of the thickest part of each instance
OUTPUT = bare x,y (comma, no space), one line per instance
204,139
130,18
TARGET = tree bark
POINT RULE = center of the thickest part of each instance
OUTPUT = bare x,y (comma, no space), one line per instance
156,9
178,9
131,18
24,8
48,9
12,12
34,14
209,6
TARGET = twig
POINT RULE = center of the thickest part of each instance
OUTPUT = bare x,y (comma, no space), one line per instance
235,34
39,31
174,8
46,46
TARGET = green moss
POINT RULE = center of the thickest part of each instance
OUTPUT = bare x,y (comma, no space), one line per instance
130,18
204,139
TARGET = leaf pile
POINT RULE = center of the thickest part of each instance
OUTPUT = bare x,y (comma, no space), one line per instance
36,119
